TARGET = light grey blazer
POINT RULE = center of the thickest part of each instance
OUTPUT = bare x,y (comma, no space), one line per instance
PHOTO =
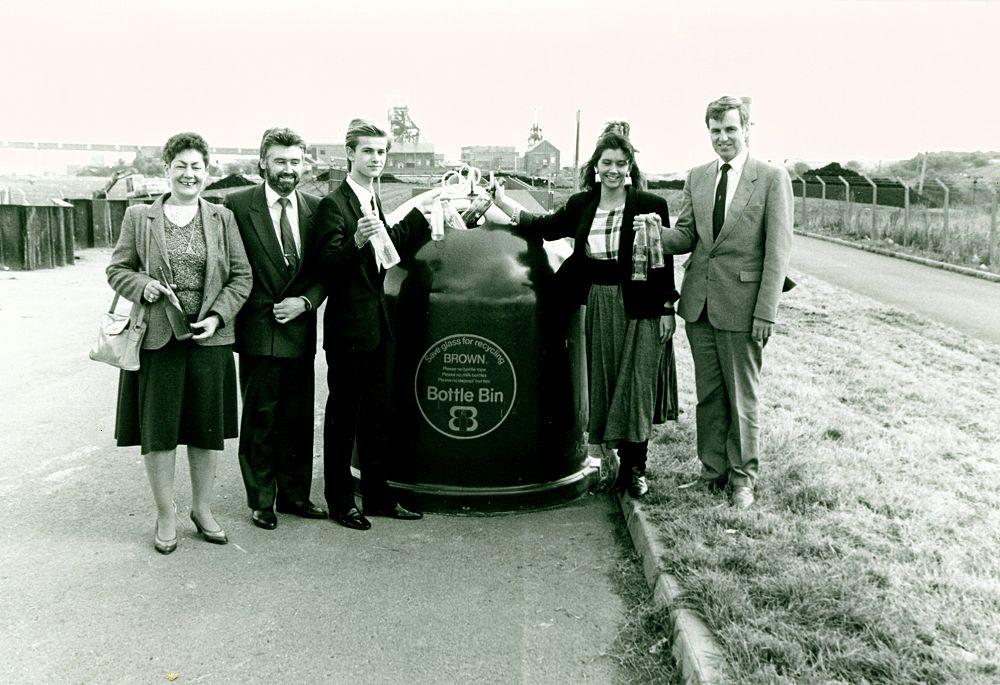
227,272
740,275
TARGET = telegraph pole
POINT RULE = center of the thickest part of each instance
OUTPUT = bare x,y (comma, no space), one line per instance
576,153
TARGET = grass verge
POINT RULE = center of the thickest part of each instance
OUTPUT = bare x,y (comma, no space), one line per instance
873,552
642,648
965,241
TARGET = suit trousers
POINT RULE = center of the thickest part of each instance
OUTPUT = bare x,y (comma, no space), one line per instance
727,378
357,412
276,431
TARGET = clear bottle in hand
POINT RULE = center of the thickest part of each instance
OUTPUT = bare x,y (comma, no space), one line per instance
437,220
385,252
472,215
654,242
640,259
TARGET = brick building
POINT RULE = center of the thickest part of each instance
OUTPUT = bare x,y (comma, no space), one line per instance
542,159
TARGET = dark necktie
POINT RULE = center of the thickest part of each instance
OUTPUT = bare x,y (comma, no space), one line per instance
374,211
287,240
719,211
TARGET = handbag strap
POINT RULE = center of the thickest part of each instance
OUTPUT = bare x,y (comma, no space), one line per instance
145,270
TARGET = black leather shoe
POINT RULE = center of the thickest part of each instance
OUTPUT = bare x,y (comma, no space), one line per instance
306,510
352,518
264,518
637,486
398,512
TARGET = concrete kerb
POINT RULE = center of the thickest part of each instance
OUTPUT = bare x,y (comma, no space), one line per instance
964,270
694,646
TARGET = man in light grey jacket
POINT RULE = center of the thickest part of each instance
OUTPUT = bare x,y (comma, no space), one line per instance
736,220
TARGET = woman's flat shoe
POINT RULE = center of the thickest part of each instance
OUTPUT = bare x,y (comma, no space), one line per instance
163,546
216,537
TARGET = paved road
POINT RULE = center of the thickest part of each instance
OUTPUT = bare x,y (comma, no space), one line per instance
85,599
971,305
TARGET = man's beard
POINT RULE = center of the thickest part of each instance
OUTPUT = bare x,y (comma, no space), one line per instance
283,183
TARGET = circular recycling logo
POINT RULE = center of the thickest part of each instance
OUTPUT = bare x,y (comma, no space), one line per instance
465,386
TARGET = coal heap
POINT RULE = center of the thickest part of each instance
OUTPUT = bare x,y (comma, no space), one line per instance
831,171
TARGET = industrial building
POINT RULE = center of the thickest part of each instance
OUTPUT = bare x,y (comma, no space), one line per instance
542,160
491,157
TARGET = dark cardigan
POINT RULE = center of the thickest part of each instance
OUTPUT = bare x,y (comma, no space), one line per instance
643,299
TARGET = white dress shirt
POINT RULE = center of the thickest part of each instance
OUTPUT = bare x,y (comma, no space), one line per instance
365,196
274,207
368,205
733,177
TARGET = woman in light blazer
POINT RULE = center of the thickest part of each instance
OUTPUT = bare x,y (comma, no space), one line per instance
184,258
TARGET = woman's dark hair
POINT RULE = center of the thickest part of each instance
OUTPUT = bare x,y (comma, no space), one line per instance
184,141
614,137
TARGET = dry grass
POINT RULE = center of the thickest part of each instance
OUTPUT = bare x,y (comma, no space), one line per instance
642,647
966,241
672,196
873,552
40,190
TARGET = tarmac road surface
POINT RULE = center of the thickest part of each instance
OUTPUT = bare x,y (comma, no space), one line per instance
84,598
972,305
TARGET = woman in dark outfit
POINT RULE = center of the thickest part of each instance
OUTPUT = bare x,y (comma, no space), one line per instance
628,323
185,389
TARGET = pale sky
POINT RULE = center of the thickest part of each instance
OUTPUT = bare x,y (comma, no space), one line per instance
830,80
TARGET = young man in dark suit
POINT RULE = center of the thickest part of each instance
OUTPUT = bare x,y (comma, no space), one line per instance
356,330
276,334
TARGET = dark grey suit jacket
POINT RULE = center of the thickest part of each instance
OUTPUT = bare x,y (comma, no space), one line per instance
256,330
356,313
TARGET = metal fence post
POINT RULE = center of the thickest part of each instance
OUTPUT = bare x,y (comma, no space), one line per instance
822,204
906,207
847,202
874,203
994,249
947,232
805,225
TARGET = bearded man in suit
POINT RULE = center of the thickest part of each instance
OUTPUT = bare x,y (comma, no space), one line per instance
276,334
736,221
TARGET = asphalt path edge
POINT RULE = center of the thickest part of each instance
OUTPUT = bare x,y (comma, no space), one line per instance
964,270
694,648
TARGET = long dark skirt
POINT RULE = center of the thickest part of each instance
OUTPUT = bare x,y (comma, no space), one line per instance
666,407
182,394
632,376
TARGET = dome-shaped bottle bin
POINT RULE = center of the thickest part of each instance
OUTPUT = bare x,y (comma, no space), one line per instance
488,371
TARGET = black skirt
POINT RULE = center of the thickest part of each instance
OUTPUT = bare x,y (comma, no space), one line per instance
182,394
